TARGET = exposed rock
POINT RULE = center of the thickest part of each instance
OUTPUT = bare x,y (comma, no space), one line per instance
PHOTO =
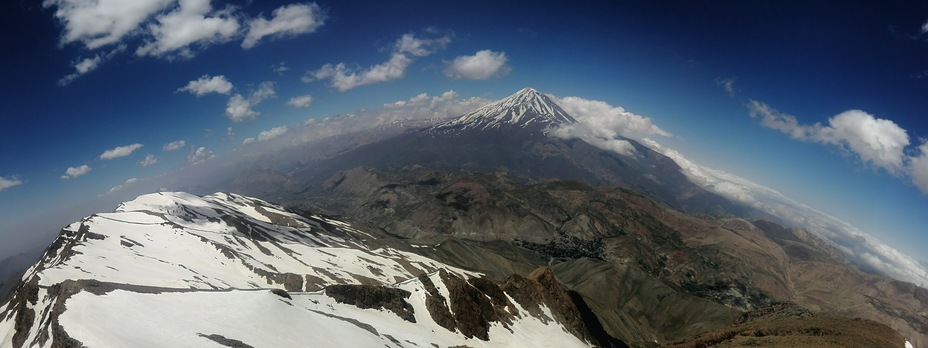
372,296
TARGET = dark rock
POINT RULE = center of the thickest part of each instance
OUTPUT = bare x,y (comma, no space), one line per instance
374,296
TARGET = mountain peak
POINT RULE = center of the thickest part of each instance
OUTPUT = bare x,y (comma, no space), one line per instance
525,108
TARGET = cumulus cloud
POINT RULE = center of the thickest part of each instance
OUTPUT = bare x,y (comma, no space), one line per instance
875,141
301,102
605,126
918,167
74,172
208,84
200,155
480,66
272,133
240,109
149,160
121,151
168,28
193,22
7,182
417,100
248,141
174,146
407,47
99,23
727,83
289,20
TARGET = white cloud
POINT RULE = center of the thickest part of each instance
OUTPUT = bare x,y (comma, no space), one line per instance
289,20
200,155
859,247
81,67
123,185
272,133
86,65
301,102
420,47
189,24
480,66
875,141
7,182
174,146
248,141
280,68
240,109
604,126
727,83
417,100
925,27
406,47
918,168
208,84
103,22
149,160
344,78
74,172
121,151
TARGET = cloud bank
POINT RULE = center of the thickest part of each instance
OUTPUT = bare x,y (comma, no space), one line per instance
863,250
605,126
272,133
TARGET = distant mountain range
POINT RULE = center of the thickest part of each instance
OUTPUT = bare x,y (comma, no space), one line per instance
481,230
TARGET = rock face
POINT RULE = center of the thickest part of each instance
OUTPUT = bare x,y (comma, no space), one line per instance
374,296
237,271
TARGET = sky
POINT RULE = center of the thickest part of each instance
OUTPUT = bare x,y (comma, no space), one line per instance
821,102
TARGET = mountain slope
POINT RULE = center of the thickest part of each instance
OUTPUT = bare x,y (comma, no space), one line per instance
649,273
232,270
511,135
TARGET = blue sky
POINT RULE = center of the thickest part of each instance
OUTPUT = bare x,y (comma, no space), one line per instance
698,71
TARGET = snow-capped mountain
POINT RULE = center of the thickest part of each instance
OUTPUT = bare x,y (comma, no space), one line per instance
512,135
174,269
525,108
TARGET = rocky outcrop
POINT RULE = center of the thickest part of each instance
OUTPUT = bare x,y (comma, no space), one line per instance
374,296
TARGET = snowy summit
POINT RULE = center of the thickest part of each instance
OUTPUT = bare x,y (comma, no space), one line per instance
525,108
